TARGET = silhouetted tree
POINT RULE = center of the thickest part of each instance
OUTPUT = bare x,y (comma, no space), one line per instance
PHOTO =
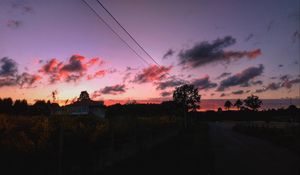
84,96
40,107
187,96
6,105
292,110
20,107
220,110
228,105
253,102
238,104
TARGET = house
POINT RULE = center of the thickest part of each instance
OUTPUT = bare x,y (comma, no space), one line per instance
85,107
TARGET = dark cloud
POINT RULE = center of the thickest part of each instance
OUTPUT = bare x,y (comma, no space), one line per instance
22,7
280,65
126,76
271,86
8,67
165,94
26,80
170,83
287,83
249,37
241,78
128,68
260,90
75,64
14,24
204,83
8,81
152,73
238,92
9,75
223,95
204,53
270,25
113,90
285,77
223,75
169,53
296,36
72,78
258,82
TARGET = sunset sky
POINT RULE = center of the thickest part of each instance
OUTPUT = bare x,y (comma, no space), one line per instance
227,48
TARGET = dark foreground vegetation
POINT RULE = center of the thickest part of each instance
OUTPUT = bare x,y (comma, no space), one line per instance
171,137
42,145
188,152
280,133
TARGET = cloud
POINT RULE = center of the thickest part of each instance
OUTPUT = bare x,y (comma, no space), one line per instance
128,68
223,75
204,53
204,83
13,24
241,78
98,74
169,53
165,94
170,83
9,75
238,92
75,64
296,36
285,77
270,25
8,81
126,76
287,83
271,86
249,37
280,65
152,73
26,80
8,67
223,95
94,61
112,90
72,71
258,82
22,7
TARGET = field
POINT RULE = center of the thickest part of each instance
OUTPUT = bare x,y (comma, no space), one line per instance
44,144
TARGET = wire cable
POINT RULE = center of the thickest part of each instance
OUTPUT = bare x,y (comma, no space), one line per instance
128,34
102,20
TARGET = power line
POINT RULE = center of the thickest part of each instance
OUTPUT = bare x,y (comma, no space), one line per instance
121,37
129,34
102,20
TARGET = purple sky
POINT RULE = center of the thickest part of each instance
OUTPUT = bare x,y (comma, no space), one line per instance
34,30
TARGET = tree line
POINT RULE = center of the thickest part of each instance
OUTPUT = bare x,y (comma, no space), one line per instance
21,107
251,102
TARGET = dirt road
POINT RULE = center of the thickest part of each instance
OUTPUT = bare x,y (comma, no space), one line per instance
238,154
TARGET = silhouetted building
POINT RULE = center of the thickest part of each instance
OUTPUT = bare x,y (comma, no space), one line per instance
84,108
